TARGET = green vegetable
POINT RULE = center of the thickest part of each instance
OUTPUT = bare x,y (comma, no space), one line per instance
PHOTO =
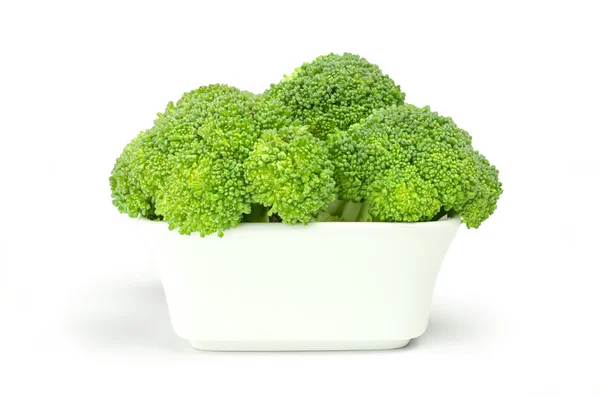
136,176
188,169
335,91
289,171
332,142
410,164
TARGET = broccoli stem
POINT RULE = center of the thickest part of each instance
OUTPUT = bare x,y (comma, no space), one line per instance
450,213
258,213
348,210
336,207
351,211
363,214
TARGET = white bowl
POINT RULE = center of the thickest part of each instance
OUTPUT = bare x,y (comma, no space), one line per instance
323,286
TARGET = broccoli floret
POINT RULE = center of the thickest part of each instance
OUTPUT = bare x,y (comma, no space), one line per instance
137,175
188,169
410,163
335,91
207,197
401,194
289,172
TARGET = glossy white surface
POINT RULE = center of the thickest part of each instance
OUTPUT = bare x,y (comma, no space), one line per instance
325,286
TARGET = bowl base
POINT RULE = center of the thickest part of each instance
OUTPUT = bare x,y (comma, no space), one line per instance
297,345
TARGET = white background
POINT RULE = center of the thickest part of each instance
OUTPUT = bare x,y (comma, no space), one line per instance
516,307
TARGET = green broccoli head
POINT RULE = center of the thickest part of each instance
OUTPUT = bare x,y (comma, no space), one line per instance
137,175
208,196
401,194
289,172
335,91
410,164
188,168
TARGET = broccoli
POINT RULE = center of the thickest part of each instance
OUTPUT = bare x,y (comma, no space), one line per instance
332,142
137,175
290,172
335,91
188,168
411,164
